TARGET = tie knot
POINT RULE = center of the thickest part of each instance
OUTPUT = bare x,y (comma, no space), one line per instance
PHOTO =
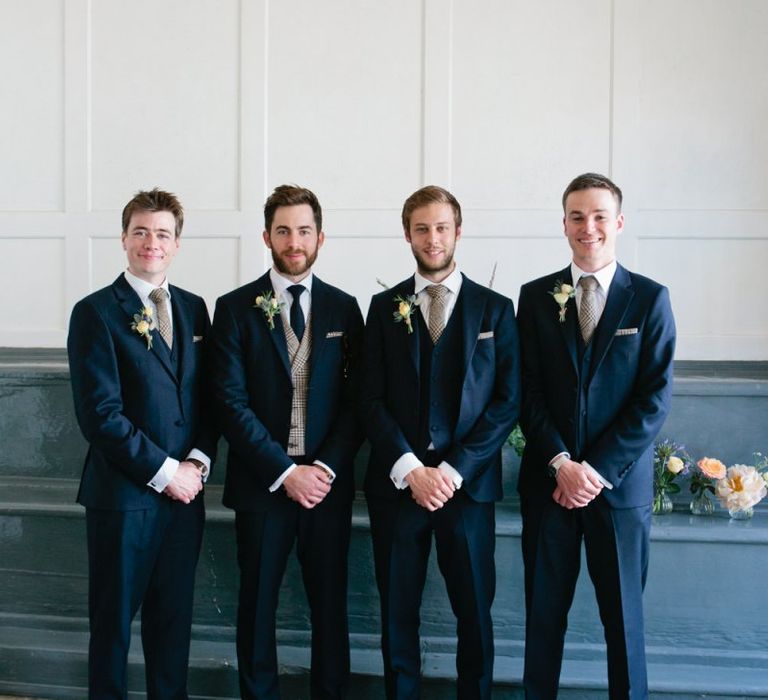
296,290
158,295
588,283
437,291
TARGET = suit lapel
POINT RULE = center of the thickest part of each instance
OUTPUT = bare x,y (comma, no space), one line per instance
320,316
406,289
471,304
568,328
276,334
183,331
619,296
130,302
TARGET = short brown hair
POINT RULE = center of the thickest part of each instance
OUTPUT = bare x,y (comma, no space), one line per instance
588,181
154,200
289,196
429,195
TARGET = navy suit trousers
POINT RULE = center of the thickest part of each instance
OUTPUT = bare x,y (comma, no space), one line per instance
464,532
264,541
617,544
142,558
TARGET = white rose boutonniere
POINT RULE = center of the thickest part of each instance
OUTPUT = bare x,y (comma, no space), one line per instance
144,323
561,294
268,303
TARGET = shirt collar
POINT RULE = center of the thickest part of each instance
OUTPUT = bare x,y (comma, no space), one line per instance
453,282
144,288
604,276
280,284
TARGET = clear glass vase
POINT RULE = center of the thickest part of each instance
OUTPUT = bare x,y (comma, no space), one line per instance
701,504
662,503
741,513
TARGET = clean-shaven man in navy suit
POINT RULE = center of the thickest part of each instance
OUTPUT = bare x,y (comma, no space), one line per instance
597,343
441,393
285,349
136,363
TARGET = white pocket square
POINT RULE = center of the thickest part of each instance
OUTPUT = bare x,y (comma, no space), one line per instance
626,331
197,338
334,334
484,335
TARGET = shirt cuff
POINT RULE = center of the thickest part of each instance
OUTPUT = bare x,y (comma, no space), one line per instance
199,455
404,466
456,478
607,484
331,474
164,475
554,459
280,479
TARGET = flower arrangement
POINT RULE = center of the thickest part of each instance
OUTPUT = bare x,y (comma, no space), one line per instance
561,294
406,307
268,303
742,488
516,440
669,461
707,470
144,323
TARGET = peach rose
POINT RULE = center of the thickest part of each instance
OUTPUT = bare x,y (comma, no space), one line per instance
712,468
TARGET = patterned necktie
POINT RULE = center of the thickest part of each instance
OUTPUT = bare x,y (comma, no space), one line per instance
159,296
297,315
437,293
588,309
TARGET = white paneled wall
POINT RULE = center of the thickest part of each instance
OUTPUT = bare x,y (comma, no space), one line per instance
502,101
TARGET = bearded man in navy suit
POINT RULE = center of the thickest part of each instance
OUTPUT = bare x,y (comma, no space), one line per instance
136,364
440,395
284,367
597,343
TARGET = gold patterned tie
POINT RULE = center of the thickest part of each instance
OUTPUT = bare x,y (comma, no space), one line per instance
588,308
159,296
437,293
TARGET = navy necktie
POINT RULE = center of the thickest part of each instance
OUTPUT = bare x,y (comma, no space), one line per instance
297,315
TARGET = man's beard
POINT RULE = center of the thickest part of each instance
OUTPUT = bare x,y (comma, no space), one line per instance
296,268
432,267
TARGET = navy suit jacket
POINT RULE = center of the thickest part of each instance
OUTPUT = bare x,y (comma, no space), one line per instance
490,397
253,390
625,393
132,407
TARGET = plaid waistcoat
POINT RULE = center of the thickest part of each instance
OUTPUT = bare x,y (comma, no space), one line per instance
299,357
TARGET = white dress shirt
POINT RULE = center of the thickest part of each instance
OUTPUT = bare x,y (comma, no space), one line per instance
168,468
407,462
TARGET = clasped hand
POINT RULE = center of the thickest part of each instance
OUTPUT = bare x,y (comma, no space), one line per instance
430,488
308,485
186,483
576,485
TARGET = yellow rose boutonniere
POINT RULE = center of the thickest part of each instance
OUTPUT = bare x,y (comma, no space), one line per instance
561,294
269,305
406,307
144,323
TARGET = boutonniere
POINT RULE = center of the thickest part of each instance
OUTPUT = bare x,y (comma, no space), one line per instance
561,294
406,307
144,323
267,302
